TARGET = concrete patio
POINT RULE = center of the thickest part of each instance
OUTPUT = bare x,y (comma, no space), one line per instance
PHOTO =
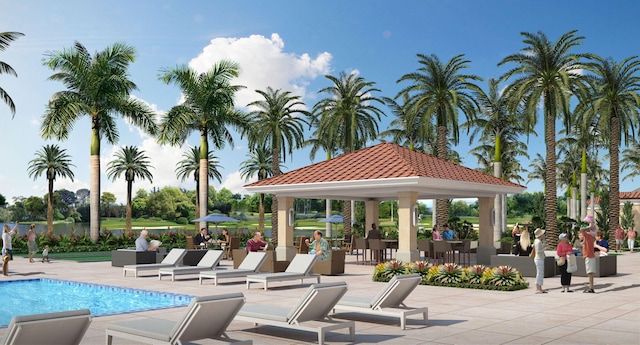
456,316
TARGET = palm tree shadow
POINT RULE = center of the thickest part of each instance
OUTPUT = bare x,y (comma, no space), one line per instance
26,274
622,288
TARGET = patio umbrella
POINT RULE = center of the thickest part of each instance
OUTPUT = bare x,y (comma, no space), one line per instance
215,218
336,218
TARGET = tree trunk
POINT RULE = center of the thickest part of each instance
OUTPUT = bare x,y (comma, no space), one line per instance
203,193
442,205
614,170
583,185
50,209
94,184
346,216
551,195
127,225
275,151
261,213
498,227
197,178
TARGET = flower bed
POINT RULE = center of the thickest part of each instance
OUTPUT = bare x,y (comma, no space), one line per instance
502,278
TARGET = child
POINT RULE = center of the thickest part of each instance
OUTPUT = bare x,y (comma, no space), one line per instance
5,264
45,253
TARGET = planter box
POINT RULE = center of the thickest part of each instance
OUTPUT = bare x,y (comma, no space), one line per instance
525,264
605,266
123,257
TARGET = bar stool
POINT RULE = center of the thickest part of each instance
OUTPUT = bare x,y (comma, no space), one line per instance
379,248
423,246
361,243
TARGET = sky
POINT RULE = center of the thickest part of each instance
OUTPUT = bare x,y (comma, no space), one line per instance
290,45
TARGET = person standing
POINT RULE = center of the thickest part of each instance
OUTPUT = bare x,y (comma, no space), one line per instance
619,238
32,246
436,233
538,259
631,238
564,248
319,247
7,249
524,246
589,233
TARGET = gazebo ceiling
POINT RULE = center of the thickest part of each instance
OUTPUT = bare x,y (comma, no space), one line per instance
380,172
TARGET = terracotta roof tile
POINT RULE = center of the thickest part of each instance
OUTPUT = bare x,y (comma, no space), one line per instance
382,161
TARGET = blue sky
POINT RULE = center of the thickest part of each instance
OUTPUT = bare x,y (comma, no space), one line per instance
283,44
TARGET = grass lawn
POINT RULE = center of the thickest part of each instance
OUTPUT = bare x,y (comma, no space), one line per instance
74,256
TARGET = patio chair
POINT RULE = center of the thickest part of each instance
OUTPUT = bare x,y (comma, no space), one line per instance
172,259
208,262
310,314
389,301
442,249
361,243
378,249
299,268
206,317
423,246
465,252
250,264
190,243
234,243
66,327
303,247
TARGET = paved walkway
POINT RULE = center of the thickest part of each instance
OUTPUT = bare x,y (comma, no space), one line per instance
456,316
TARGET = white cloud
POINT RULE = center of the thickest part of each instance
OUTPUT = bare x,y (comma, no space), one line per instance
234,182
58,184
263,63
34,122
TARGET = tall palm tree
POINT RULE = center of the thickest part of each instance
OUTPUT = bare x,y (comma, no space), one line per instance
98,87
538,170
404,130
277,123
5,39
349,116
260,163
616,99
133,163
208,109
190,165
631,162
54,162
439,92
547,72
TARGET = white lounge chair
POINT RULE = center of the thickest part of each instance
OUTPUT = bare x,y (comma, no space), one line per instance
172,259
206,317
310,314
299,268
389,301
251,264
208,262
66,327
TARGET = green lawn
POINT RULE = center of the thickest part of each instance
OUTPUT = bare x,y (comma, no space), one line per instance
74,256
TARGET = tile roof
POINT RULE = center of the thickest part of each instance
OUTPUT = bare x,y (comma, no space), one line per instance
382,161
635,195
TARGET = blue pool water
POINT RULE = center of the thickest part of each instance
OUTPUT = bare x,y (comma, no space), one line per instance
36,296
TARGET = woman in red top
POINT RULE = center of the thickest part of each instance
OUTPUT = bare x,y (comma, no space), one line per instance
563,249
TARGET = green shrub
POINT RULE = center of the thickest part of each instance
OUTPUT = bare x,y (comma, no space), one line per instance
182,221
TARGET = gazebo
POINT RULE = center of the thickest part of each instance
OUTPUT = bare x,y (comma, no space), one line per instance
385,172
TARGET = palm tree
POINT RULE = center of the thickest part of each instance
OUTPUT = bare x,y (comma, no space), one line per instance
133,163
349,117
617,101
547,72
260,163
190,165
539,170
5,39
55,162
207,109
438,92
277,123
631,161
98,87
404,130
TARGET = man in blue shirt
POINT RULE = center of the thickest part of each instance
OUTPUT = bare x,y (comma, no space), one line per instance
448,234
142,244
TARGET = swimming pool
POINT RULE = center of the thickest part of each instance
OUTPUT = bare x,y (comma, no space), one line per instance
36,296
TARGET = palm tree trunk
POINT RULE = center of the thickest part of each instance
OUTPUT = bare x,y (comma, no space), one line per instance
274,203
261,213
551,196
127,225
50,209
197,178
614,167
442,205
346,216
94,194
204,177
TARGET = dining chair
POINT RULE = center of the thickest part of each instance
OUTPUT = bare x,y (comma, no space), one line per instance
423,246
465,252
234,243
378,250
441,249
361,244
190,243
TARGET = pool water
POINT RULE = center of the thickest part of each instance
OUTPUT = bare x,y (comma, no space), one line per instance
36,296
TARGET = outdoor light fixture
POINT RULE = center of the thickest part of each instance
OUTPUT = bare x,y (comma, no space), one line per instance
414,215
290,217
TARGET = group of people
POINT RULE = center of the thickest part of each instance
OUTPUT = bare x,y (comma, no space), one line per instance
590,243
447,233
630,236
7,246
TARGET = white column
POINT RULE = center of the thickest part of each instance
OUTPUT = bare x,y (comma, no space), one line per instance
285,250
328,212
407,234
486,243
372,214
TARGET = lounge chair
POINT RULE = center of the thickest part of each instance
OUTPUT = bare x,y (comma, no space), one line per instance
172,259
299,268
66,327
206,317
389,301
251,264
310,314
208,262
